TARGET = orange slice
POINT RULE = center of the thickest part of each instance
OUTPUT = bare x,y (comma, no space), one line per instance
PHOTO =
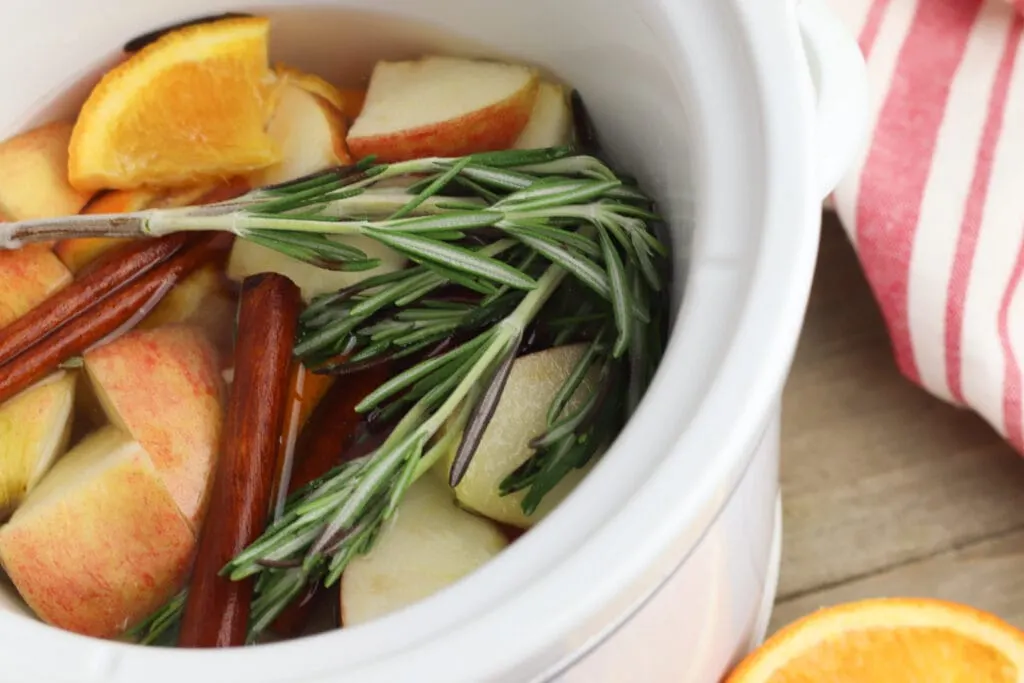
349,101
192,106
894,640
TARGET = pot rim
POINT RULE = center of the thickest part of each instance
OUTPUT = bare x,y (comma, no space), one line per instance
593,587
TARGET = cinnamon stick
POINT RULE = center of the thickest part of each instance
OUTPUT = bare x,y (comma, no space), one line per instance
328,439
86,292
217,610
83,331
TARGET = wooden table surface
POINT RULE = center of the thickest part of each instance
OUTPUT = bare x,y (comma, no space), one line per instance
887,491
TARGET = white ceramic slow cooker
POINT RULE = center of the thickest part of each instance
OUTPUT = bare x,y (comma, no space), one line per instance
739,116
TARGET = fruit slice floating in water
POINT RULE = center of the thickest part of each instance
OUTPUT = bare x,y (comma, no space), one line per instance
191,106
34,430
348,101
34,175
442,106
892,640
163,387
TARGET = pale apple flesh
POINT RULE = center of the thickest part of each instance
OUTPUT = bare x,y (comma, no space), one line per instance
428,545
521,416
442,106
164,387
309,132
100,543
34,175
550,122
185,300
27,277
35,427
248,258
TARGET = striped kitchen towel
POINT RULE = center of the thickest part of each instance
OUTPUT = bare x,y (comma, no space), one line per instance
935,204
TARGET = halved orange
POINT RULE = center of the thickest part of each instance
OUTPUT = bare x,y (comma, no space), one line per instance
890,640
192,106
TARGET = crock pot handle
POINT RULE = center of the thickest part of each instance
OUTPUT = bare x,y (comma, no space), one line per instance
840,80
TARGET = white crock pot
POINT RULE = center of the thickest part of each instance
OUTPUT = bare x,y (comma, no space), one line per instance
739,116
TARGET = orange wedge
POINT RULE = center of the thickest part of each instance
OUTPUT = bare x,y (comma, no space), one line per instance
190,107
349,101
890,640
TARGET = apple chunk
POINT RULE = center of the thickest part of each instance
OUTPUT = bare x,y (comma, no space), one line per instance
34,430
34,175
442,106
310,133
521,416
164,387
27,277
99,544
349,101
429,544
248,258
185,300
550,123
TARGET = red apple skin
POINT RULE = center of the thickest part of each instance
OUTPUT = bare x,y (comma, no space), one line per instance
164,387
105,549
490,129
27,277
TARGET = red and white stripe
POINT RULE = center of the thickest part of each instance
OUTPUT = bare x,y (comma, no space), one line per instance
935,205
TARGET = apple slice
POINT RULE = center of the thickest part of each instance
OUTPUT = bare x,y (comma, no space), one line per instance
27,277
202,300
248,258
349,101
521,416
34,175
442,106
164,387
309,132
429,544
34,430
99,544
550,123
186,299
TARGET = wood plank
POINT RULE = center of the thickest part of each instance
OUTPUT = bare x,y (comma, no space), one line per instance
875,472
986,575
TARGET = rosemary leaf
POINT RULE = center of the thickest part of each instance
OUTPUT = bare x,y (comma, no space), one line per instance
451,275
520,157
314,249
478,189
432,188
560,461
574,380
482,413
449,221
498,178
322,302
582,268
412,375
405,478
584,191
567,426
455,257
621,302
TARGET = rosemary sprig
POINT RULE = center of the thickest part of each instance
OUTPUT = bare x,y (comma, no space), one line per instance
506,248
161,626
